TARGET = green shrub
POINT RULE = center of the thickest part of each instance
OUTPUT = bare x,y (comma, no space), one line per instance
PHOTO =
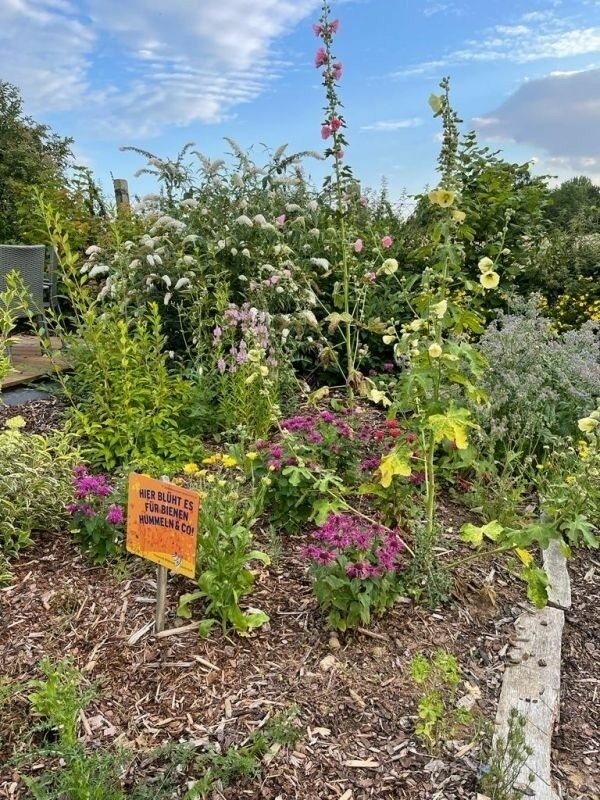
127,405
35,483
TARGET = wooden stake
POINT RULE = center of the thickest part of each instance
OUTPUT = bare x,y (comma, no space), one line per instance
161,598
161,589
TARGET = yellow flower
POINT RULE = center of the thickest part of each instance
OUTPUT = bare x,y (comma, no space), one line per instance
587,424
416,324
584,449
485,264
14,423
489,280
439,309
222,483
264,371
214,459
210,478
389,266
459,216
442,197
435,351
229,461
191,468
251,455
389,339
570,479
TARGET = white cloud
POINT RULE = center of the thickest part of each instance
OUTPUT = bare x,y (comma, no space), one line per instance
385,126
559,114
178,61
535,36
45,48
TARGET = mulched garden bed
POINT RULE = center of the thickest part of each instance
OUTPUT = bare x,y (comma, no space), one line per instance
576,744
41,416
355,701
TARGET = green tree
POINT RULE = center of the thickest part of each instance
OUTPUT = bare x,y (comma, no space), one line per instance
32,156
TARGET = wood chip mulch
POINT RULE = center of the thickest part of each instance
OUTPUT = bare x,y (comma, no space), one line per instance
41,416
576,744
355,702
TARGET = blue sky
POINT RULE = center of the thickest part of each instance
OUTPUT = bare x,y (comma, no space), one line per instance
160,73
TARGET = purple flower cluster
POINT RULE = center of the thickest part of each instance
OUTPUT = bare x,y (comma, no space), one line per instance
369,549
247,328
91,492
309,425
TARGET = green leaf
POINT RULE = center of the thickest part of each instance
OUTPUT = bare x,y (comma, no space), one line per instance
395,463
258,555
185,601
474,535
537,585
205,627
452,425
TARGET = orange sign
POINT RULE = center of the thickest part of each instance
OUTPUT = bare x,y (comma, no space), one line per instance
162,523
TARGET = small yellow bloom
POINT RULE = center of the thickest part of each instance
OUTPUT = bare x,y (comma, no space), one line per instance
587,424
435,351
389,339
222,483
442,197
229,461
266,481
485,264
570,479
214,459
210,478
489,280
459,216
15,423
584,449
416,324
251,455
191,468
264,371
389,266
439,309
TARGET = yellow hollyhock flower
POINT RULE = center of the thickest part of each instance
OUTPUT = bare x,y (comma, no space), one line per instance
416,324
459,216
389,266
442,197
489,280
434,350
587,424
485,264
439,309
389,339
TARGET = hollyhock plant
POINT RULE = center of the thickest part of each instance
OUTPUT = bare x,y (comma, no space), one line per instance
356,566
97,517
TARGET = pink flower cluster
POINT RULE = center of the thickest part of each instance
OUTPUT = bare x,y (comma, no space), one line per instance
91,492
367,550
325,31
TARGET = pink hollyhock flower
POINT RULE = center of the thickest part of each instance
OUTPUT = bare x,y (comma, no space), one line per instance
325,132
280,220
317,28
370,277
358,245
336,124
387,241
320,57
334,26
340,153
338,70
364,201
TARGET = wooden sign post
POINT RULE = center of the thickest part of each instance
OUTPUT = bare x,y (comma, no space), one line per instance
162,526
